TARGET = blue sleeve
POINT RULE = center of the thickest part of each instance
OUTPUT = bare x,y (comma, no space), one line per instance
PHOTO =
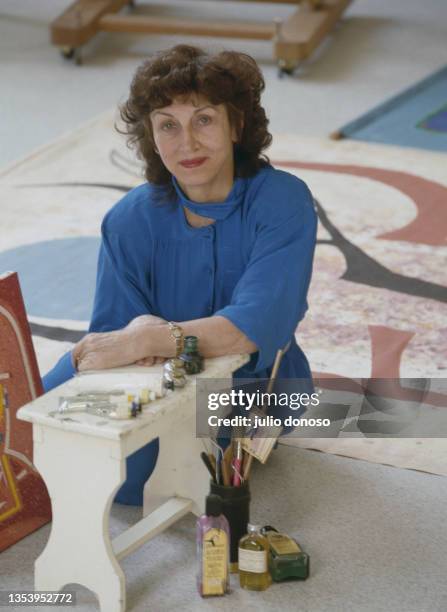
118,296
62,371
270,298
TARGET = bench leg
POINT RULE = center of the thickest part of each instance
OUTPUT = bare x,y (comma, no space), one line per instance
82,474
179,471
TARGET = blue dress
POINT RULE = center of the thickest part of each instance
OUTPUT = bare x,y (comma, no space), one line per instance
252,265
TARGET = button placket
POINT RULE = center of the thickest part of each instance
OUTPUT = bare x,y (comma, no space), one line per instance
211,267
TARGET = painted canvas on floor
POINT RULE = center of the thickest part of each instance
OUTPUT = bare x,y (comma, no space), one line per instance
24,502
378,294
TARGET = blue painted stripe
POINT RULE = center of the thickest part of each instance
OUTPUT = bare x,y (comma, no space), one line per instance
57,277
398,120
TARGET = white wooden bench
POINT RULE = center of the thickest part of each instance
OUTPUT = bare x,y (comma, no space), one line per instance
83,463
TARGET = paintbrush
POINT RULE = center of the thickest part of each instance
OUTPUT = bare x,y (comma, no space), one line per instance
236,464
248,460
226,466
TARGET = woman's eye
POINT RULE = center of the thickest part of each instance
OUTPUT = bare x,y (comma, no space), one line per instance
204,119
169,125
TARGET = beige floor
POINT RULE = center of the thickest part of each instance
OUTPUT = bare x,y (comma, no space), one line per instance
375,535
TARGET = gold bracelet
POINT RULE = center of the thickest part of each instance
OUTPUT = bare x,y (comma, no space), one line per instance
177,334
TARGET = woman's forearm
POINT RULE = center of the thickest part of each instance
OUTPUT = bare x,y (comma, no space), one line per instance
148,337
217,336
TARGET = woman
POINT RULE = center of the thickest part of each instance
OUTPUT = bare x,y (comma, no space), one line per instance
217,243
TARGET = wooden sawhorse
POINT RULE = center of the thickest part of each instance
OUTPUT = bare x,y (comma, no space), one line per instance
293,40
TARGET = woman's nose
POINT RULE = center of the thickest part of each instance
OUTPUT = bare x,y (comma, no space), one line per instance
189,139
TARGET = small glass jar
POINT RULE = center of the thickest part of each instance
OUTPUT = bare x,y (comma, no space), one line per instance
253,560
192,360
174,374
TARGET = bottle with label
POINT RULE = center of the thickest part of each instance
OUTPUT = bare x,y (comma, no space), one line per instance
253,560
213,549
286,559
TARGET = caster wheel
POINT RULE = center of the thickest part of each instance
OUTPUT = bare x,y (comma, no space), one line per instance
68,53
284,72
286,68
72,53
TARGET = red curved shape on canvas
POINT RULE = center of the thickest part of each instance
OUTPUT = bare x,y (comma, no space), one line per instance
430,198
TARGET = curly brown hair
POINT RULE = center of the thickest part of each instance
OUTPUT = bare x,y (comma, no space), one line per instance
229,78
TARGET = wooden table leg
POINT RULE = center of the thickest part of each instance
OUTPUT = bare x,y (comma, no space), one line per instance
82,474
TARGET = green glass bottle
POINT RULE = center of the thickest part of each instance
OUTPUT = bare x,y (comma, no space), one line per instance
253,560
190,356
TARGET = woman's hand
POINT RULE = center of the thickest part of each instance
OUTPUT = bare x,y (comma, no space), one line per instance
101,351
107,350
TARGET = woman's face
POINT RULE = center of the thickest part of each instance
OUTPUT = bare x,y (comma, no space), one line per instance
195,141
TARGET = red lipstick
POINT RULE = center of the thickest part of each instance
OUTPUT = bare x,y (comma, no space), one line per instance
193,163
